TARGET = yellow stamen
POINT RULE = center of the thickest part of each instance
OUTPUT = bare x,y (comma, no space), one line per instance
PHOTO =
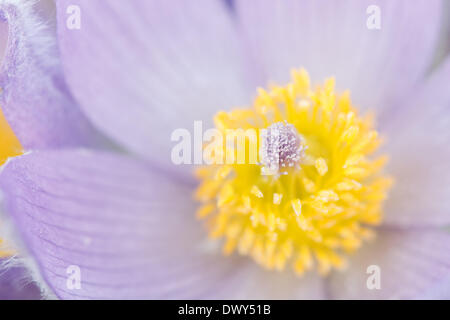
316,209
321,166
9,147
9,144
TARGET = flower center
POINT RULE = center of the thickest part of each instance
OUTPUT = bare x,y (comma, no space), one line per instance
9,147
281,147
316,192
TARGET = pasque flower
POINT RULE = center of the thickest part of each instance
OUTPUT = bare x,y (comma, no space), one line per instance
137,70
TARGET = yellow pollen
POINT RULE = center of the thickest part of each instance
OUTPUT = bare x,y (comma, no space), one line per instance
321,166
313,213
9,147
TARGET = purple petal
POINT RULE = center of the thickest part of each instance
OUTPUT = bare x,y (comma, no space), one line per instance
331,38
439,291
418,139
15,283
34,97
254,282
410,263
131,231
141,69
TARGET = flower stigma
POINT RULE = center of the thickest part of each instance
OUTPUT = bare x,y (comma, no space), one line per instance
316,192
281,146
